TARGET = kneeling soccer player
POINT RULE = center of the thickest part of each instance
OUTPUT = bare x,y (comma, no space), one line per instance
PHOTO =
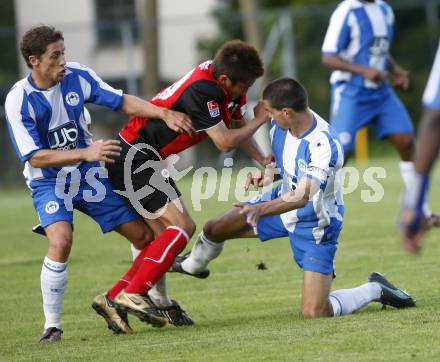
306,206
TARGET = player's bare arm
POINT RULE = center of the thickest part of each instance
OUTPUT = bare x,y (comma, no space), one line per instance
98,151
226,139
400,75
177,121
334,61
295,199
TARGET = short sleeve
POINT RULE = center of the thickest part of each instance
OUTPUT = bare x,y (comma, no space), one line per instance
21,124
338,35
241,109
95,90
324,156
201,101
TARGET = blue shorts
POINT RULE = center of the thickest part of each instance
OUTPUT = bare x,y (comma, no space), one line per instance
349,113
103,205
307,253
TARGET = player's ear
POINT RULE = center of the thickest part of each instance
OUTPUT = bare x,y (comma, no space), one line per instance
34,60
222,79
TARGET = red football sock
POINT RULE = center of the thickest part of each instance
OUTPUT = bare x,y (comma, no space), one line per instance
128,276
157,259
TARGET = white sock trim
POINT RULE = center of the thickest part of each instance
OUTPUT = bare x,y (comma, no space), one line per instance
181,230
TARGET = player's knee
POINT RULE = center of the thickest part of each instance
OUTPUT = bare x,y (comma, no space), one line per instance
142,238
209,230
189,226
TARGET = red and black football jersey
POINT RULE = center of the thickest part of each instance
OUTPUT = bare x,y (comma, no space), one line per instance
196,94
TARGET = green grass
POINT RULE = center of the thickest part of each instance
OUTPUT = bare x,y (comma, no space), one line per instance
241,313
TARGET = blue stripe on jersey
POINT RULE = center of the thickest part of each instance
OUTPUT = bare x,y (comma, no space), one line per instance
334,150
43,114
366,34
385,10
30,125
331,232
344,35
98,95
308,220
279,138
302,153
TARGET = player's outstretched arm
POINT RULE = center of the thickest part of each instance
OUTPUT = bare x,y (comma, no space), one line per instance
226,139
295,199
334,61
98,151
400,75
177,121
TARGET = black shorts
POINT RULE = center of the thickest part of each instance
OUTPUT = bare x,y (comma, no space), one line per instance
158,187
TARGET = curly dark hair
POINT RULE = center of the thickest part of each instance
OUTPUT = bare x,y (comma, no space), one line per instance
36,40
239,61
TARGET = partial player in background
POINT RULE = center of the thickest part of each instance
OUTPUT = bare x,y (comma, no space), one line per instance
213,95
48,126
306,207
357,49
413,221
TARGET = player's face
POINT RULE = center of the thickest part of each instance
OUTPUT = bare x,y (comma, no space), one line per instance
235,90
278,115
51,65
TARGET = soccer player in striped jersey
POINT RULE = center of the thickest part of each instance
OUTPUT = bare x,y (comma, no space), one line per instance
306,207
48,126
413,222
357,49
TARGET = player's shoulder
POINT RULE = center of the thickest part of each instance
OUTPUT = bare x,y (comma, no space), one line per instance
323,134
344,7
77,68
207,88
16,92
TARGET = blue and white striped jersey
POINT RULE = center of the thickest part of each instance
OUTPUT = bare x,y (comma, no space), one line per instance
360,33
319,156
55,118
431,96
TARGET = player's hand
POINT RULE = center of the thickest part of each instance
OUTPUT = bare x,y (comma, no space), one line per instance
252,213
401,78
259,178
412,230
255,179
375,75
102,151
260,113
270,159
177,121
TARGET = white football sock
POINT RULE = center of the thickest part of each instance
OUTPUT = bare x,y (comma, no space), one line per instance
347,301
134,252
158,293
53,284
408,173
202,253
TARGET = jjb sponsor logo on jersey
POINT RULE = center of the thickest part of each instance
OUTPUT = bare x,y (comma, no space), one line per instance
64,137
213,108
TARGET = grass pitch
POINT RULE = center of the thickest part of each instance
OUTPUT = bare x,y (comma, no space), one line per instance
241,312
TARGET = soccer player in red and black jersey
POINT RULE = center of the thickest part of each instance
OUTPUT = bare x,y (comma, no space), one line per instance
213,95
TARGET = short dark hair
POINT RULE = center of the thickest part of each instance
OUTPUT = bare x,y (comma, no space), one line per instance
239,61
36,40
286,93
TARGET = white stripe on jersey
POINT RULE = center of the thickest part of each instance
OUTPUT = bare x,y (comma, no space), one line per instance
23,140
432,90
